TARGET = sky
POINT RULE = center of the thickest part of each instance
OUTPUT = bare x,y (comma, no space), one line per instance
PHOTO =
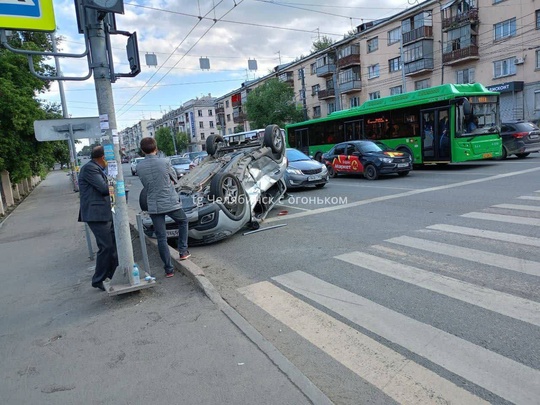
179,32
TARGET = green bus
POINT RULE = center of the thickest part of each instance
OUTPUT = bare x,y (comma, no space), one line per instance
443,124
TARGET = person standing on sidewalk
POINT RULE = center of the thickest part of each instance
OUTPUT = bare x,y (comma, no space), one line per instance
158,178
95,210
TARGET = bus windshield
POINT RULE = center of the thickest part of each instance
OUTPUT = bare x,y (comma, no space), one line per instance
482,119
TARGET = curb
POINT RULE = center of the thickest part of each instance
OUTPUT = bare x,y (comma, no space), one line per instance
196,274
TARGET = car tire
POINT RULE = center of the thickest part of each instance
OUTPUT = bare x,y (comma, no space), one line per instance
331,172
370,172
403,174
273,139
143,203
212,144
228,189
504,154
318,157
522,155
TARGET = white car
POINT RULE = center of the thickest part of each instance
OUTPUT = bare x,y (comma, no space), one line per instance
134,165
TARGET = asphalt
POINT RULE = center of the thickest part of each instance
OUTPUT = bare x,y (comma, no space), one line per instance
63,341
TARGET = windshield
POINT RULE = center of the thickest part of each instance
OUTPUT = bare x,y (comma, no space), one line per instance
368,147
294,155
483,118
180,161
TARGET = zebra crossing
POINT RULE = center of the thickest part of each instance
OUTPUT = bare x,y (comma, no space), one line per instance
446,263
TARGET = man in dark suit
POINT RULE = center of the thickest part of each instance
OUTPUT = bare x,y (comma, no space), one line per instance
95,210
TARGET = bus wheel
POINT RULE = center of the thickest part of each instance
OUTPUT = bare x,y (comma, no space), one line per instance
370,172
318,157
331,172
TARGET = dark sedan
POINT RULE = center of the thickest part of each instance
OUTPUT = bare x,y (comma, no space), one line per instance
302,171
368,158
519,138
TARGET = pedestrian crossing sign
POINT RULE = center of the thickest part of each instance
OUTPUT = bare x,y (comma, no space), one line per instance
27,15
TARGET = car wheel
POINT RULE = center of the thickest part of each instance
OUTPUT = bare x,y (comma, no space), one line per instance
143,203
522,155
504,153
403,174
318,157
320,185
370,172
331,172
212,143
227,189
273,139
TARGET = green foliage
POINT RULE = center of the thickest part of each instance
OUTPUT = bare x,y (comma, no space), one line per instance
22,155
164,140
321,44
182,141
272,103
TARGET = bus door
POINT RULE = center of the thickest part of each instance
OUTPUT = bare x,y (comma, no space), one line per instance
301,140
354,130
435,124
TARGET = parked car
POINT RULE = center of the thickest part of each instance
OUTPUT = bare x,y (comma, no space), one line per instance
134,165
520,138
193,155
181,165
234,187
368,158
302,171
125,159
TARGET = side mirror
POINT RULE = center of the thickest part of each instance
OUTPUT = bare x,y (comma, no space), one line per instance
467,108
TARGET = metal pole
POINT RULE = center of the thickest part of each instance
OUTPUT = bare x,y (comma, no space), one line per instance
142,238
102,79
174,142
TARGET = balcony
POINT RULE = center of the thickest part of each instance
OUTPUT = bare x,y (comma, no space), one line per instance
239,118
287,77
350,86
425,32
220,110
326,70
455,21
418,67
324,94
349,60
461,55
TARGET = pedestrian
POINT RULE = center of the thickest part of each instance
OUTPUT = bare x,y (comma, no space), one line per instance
95,210
159,178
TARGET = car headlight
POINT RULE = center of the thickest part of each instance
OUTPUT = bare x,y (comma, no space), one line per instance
324,169
291,170
387,160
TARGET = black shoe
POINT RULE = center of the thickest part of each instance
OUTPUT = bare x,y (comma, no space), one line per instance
99,285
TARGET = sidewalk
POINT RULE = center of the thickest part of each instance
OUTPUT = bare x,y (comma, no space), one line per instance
64,342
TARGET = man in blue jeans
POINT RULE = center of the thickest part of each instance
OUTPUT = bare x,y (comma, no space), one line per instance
158,178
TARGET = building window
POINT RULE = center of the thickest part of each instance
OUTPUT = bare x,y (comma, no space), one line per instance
373,44
330,108
538,19
465,76
394,64
354,102
396,90
421,84
202,136
346,76
394,36
375,95
228,117
300,73
201,124
505,29
199,113
537,59
226,103
315,89
313,68
537,100
211,124
373,71
317,111
504,67
497,1
210,113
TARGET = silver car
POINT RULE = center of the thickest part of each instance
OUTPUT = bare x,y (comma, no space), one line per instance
233,187
181,165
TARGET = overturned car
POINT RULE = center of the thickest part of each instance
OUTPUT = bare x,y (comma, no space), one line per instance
233,187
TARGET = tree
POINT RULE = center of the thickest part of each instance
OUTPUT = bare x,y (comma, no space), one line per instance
182,141
272,103
164,141
321,44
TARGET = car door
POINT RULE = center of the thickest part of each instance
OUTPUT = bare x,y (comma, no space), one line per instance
338,159
354,159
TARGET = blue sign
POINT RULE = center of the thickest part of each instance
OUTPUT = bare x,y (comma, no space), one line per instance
120,189
23,8
109,151
33,15
192,120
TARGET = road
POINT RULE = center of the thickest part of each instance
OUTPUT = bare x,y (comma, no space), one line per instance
422,289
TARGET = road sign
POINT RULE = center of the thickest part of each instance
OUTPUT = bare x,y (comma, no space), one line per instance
27,15
59,130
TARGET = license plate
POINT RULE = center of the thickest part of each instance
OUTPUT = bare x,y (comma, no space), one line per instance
487,155
314,178
172,233
402,165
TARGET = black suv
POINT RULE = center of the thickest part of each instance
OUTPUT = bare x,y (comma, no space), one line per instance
519,138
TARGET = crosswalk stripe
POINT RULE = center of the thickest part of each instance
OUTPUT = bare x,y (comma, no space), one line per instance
527,197
504,377
481,233
473,255
518,207
506,304
511,219
405,381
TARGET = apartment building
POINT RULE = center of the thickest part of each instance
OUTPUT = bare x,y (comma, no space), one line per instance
131,137
493,42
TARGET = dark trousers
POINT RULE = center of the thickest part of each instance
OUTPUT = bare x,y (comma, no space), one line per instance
160,228
107,257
